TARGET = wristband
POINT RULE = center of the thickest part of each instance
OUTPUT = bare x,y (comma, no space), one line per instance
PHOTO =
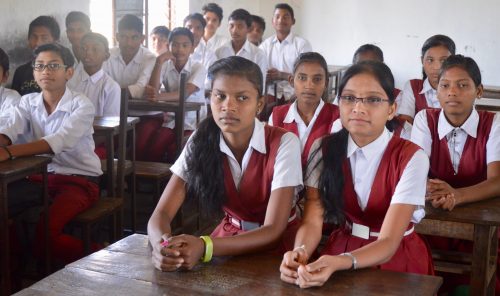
8,152
354,261
209,249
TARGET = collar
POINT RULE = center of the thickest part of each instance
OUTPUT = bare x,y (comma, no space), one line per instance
64,104
469,126
371,150
257,142
137,58
288,39
94,78
293,112
426,87
186,69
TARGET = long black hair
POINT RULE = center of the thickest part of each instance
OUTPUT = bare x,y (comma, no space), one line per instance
204,160
435,41
334,146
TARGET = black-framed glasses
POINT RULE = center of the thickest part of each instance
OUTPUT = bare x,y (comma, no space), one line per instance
51,67
371,101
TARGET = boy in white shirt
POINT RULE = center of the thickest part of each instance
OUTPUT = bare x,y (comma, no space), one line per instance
159,39
213,15
201,54
9,98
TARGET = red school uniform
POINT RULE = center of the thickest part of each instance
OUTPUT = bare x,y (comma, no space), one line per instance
420,101
413,254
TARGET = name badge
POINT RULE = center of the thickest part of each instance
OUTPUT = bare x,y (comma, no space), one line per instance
360,231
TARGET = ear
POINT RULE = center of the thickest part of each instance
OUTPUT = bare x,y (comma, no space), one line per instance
291,79
260,104
143,38
69,73
392,111
293,21
5,76
480,90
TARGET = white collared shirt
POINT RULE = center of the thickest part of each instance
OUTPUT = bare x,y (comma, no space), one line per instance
456,136
364,163
135,75
203,55
9,99
215,42
303,129
100,88
287,166
196,75
405,131
68,131
249,51
406,99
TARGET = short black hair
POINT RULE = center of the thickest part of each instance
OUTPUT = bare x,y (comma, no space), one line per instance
63,52
285,6
368,48
213,7
98,38
466,63
180,31
130,22
161,30
78,16
237,66
195,16
48,22
259,20
4,61
241,14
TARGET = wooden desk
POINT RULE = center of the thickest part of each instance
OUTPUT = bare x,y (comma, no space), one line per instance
477,222
335,75
10,171
169,106
491,91
488,104
125,268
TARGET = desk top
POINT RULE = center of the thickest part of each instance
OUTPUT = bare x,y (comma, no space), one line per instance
21,165
486,212
490,104
166,106
111,122
125,268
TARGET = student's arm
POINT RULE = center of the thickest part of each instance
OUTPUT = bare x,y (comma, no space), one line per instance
33,148
420,132
174,95
194,83
406,108
111,99
155,79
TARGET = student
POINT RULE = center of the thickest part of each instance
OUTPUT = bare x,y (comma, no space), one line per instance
92,81
254,171
159,39
201,54
42,30
155,140
60,123
240,22
130,64
77,25
309,117
282,49
419,94
257,30
213,15
9,98
463,145
368,182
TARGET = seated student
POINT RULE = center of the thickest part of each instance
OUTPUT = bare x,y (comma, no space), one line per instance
282,49
368,182
213,15
254,172
42,30
420,94
240,22
60,123
257,30
130,64
153,139
9,98
463,145
309,117
201,54
159,39
77,25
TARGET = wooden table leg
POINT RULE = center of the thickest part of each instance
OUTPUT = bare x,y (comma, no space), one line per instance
4,244
484,260
110,155
45,196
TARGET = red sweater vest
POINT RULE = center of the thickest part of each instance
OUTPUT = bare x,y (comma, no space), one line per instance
420,101
472,168
321,127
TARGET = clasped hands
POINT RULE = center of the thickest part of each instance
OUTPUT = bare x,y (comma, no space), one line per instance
181,252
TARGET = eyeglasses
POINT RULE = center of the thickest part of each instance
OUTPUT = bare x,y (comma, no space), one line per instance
368,101
51,67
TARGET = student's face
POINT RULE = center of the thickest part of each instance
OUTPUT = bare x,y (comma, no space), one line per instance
235,102
238,30
39,36
255,33
75,31
367,56
51,80
213,22
363,121
432,61
457,92
196,28
283,21
3,75
309,82
93,53
181,47
129,42
159,43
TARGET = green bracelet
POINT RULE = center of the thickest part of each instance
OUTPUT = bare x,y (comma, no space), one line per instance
209,248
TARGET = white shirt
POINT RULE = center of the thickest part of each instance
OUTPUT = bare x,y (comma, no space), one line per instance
203,55
287,166
282,56
215,42
68,131
196,75
249,51
364,163
9,99
456,136
405,131
303,129
101,89
135,75
406,99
